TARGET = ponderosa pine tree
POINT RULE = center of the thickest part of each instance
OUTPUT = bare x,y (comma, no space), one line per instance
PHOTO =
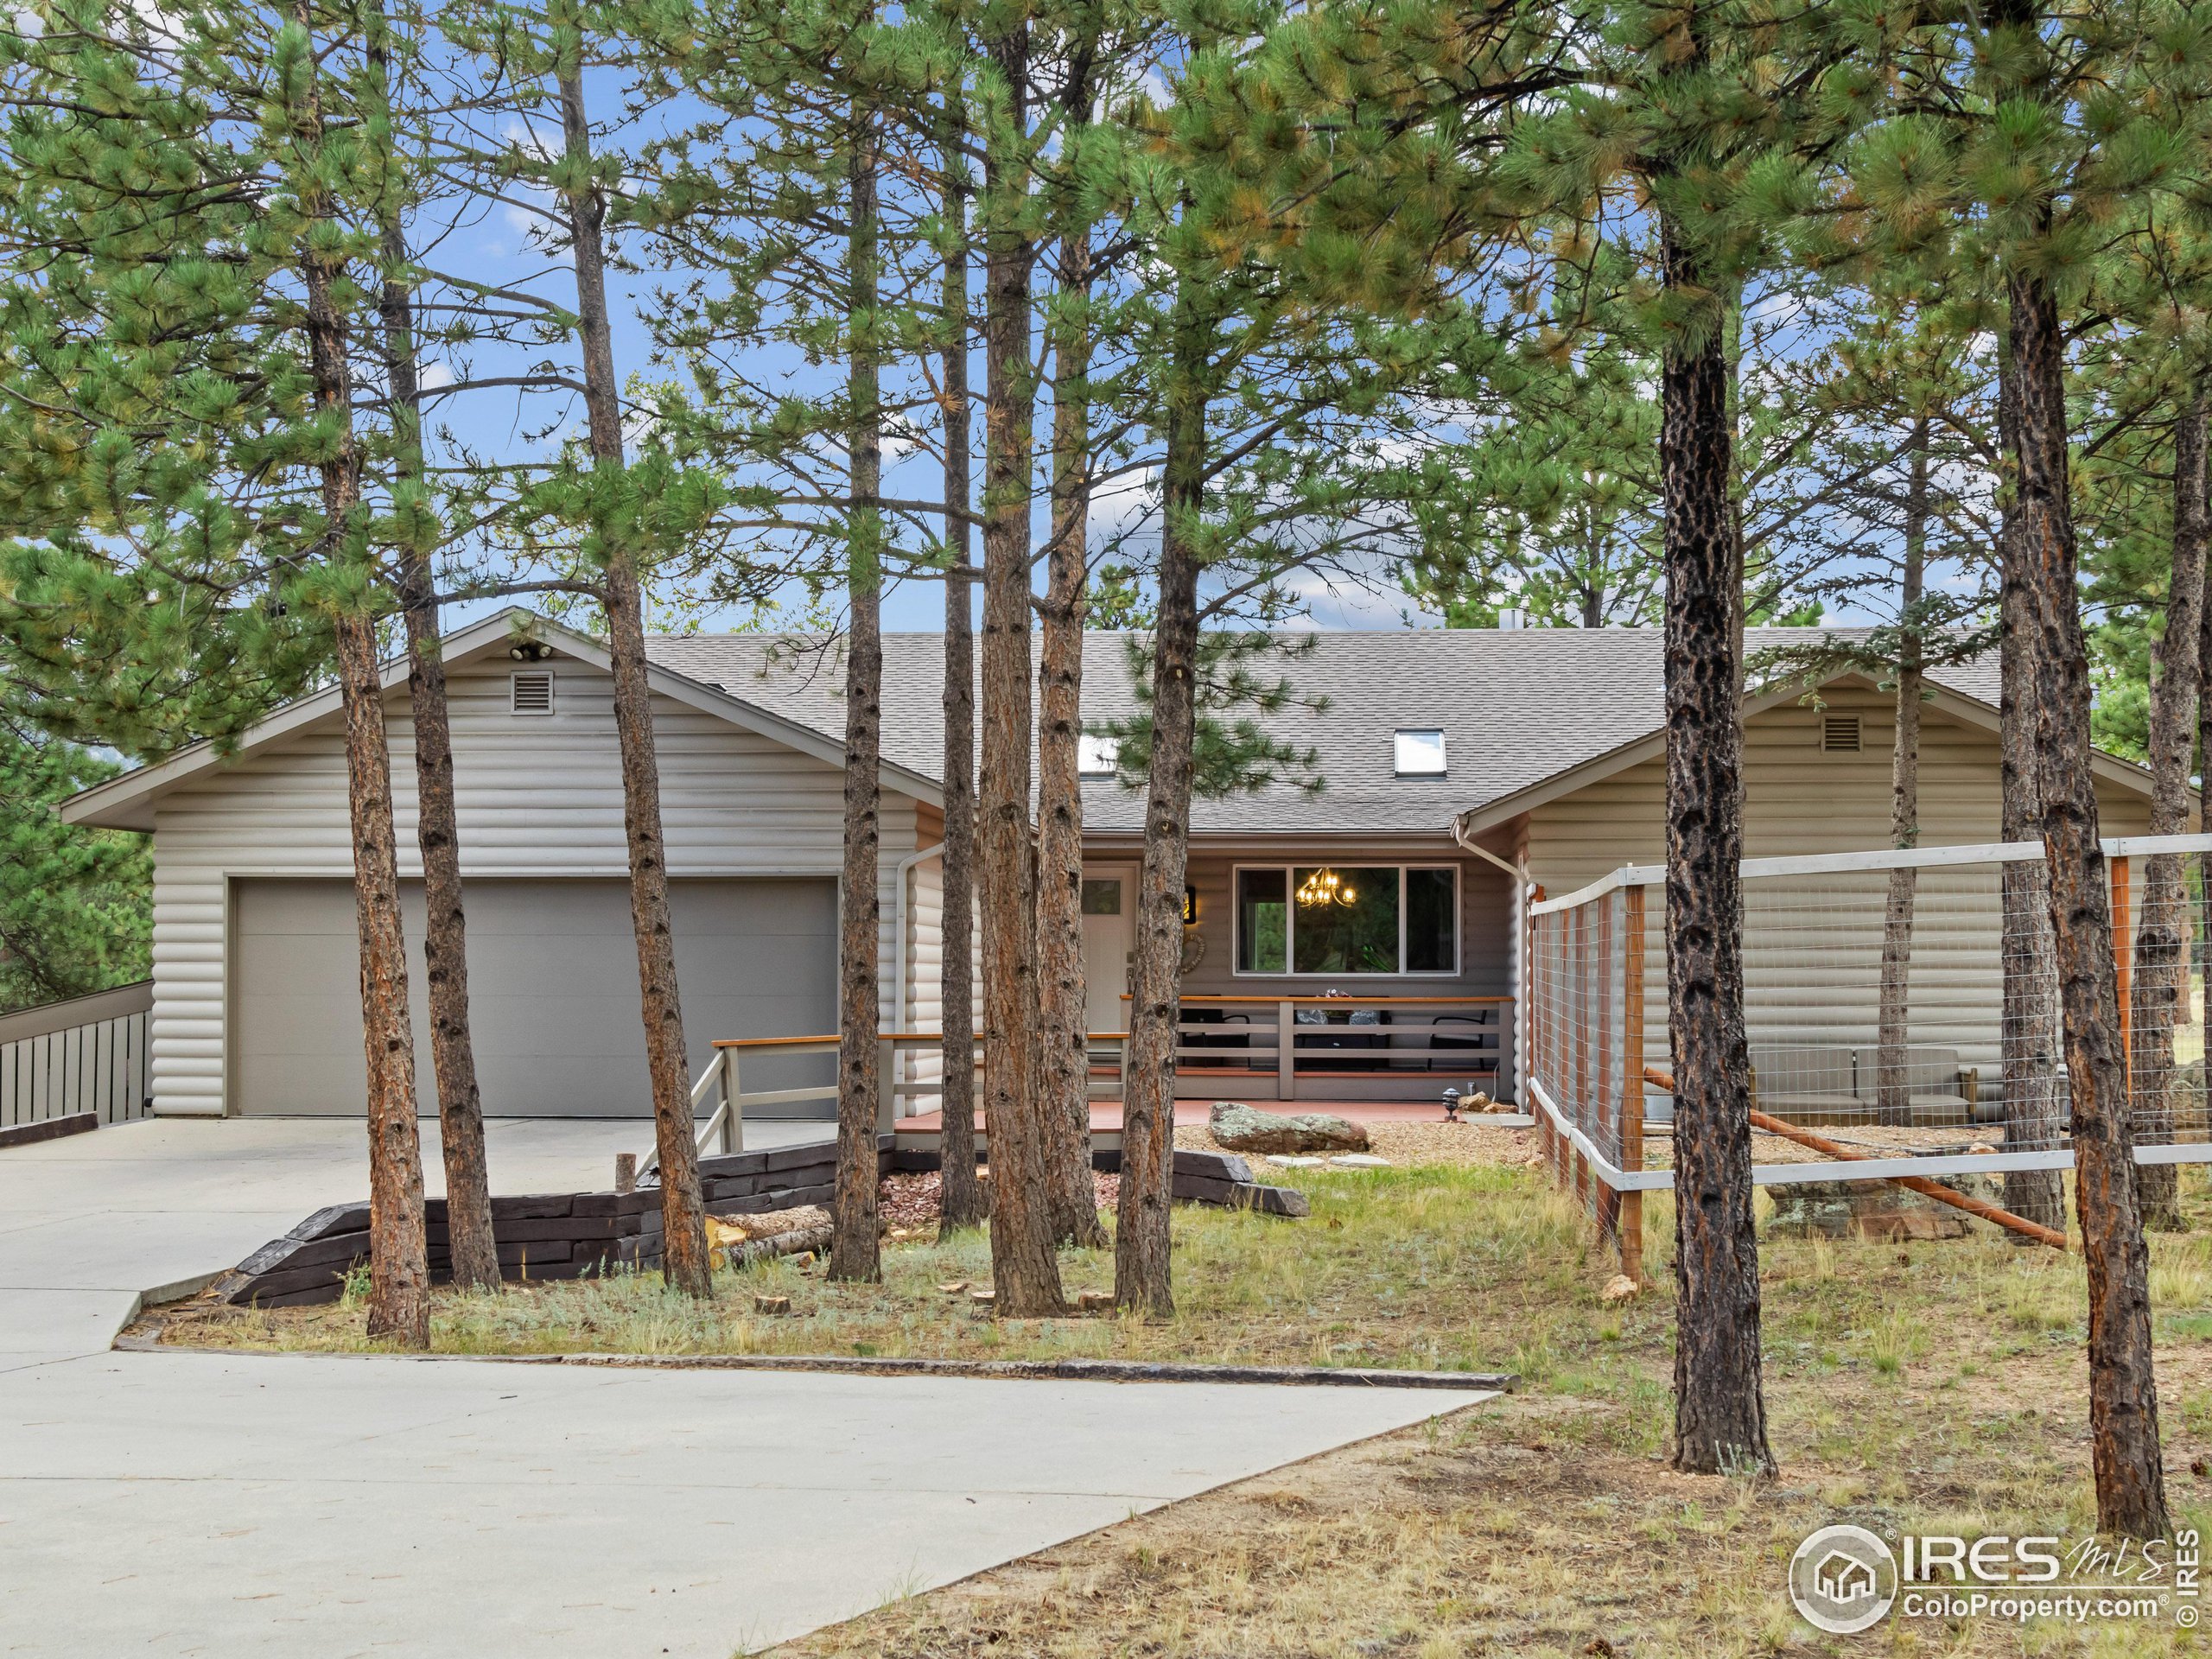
249,370
304,151
1064,1021
76,904
1025,1270
964,1201
412,527
853,1250
1999,139
519,124
1992,163
2140,499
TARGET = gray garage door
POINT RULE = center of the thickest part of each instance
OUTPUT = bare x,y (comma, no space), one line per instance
553,990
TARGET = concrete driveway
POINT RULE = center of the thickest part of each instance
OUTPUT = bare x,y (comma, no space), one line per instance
185,1503
89,1222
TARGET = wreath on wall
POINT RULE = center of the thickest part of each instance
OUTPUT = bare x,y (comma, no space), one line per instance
1194,950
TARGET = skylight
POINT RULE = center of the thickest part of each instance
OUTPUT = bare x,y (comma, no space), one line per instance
1098,757
1419,754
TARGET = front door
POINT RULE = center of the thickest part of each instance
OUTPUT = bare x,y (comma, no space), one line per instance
1108,910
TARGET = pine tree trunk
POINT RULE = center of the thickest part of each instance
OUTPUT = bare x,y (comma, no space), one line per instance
854,1251
1063,1043
2035,1120
683,1241
1719,1411
400,1272
2160,989
964,1197
473,1248
1024,1267
2123,1395
1143,1279
399,1269
1893,1034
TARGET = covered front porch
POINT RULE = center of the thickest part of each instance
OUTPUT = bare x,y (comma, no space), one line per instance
1320,969
1331,1047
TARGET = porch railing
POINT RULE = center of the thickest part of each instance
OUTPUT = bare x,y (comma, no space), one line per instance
1331,1047
723,1082
1408,1047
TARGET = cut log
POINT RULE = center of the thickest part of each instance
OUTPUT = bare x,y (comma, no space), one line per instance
1919,1184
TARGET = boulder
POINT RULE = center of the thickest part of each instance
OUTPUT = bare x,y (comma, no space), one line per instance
1873,1209
1243,1128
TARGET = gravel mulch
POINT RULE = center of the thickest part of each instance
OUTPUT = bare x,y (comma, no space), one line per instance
1471,1142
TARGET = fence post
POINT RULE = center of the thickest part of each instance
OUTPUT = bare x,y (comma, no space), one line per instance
1285,1050
1539,1056
1574,1173
2123,962
733,1133
1631,1211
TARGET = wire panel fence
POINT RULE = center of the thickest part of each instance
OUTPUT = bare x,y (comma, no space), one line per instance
85,1055
1901,1012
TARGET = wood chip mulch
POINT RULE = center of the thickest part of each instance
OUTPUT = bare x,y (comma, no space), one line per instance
915,1198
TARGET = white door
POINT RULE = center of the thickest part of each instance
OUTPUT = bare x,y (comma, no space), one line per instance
1108,910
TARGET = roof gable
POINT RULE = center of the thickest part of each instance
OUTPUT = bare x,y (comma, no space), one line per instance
127,802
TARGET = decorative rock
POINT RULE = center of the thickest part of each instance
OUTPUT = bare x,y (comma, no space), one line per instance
985,1300
776,1304
1243,1129
1359,1160
1619,1288
1281,1160
1873,1210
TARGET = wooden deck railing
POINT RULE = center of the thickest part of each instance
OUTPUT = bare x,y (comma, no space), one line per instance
1403,1046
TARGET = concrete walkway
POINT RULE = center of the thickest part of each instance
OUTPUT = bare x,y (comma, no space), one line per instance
184,1503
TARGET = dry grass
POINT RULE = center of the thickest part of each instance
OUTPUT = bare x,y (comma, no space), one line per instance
1385,1273
1936,1386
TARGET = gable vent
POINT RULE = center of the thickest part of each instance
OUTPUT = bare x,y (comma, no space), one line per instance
1840,734
531,693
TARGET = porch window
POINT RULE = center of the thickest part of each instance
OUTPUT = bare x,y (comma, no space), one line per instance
1374,919
1263,923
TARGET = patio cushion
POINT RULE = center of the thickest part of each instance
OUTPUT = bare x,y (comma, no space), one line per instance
1207,1045
1454,1032
1792,1071
1927,1072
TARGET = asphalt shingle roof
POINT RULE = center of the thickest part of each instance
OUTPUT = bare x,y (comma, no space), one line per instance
1517,707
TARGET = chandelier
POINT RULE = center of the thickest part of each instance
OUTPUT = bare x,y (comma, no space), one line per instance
1326,888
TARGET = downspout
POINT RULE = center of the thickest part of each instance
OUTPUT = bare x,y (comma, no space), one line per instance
1519,876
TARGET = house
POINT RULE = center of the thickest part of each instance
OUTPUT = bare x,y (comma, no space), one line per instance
1379,915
